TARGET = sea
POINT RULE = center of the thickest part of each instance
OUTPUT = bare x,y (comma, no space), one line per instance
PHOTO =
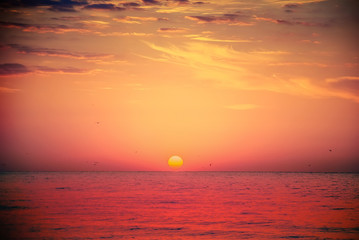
179,205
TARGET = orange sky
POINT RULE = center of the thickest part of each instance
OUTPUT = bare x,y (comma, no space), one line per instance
227,85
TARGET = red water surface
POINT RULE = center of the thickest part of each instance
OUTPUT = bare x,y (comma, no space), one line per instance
179,205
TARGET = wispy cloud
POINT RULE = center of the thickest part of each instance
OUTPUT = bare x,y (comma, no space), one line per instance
198,54
225,67
304,86
219,64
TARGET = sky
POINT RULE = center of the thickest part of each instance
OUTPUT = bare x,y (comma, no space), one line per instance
255,85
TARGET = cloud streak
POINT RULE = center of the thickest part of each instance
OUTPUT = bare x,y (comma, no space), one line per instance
14,69
53,52
172,30
138,20
70,70
43,28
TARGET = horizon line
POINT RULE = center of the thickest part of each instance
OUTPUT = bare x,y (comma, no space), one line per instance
177,171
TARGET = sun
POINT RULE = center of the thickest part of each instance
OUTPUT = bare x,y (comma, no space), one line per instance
175,162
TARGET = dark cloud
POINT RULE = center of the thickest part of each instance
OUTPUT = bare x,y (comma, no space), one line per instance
281,21
55,5
131,4
291,5
230,16
104,6
69,5
347,84
56,52
62,9
150,2
12,69
203,18
13,25
181,1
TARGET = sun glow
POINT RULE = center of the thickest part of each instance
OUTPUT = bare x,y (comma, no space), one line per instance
175,162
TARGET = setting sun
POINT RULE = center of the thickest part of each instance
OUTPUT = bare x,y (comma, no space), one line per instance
175,162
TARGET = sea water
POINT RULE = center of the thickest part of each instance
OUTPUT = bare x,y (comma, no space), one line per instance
179,205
